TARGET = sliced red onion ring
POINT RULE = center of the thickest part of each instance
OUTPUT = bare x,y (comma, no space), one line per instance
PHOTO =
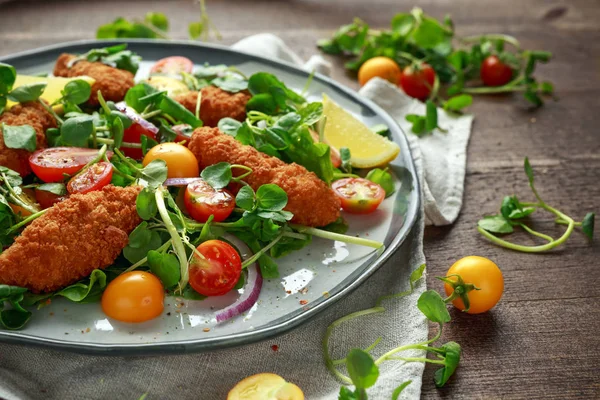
180,181
252,287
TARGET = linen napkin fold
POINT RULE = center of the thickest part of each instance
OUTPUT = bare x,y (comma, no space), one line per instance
34,373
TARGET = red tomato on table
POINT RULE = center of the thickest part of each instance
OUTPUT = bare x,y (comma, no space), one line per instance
418,81
494,72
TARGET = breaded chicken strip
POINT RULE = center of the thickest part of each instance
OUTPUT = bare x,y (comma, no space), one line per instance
84,232
311,201
216,104
38,118
112,82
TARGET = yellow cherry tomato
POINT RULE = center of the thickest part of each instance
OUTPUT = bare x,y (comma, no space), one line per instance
382,67
265,386
485,275
134,296
181,162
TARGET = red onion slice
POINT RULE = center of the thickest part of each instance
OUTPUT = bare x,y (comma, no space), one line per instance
252,287
180,181
135,117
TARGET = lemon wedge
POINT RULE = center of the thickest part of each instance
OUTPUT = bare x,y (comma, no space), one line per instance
367,148
265,386
54,85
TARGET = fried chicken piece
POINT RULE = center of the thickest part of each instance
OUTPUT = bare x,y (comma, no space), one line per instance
84,232
311,201
33,114
216,104
112,82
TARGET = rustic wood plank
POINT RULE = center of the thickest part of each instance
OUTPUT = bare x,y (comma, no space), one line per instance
539,342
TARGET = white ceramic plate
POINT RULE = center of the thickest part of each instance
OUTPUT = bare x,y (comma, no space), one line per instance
311,279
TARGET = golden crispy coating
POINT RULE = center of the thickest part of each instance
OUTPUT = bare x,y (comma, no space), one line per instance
216,104
33,114
112,82
311,201
84,232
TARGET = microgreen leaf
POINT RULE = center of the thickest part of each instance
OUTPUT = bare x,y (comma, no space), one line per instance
145,204
195,29
398,391
528,171
158,20
245,198
58,189
19,137
12,177
383,179
451,351
431,116
155,173
381,129
346,157
218,175
8,75
76,91
27,93
433,307
76,131
496,224
165,266
179,112
457,103
83,291
361,368
271,197
230,83
229,126
588,225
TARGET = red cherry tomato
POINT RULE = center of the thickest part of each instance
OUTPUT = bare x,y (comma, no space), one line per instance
51,165
173,66
417,81
494,72
358,195
202,200
47,199
133,134
218,272
134,296
94,178
183,132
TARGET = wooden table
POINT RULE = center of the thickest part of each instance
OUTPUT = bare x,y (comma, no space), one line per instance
542,340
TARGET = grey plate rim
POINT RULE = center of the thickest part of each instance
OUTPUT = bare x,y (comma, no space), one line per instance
238,339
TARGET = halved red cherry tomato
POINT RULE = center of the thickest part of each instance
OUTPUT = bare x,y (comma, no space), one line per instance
94,178
51,165
202,200
494,72
133,134
134,296
183,132
173,66
47,199
417,81
358,195
334,154
218,272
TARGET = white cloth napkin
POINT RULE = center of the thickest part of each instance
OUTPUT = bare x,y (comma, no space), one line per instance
32,373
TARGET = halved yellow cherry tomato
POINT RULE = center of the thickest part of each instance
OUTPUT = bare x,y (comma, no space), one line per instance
485,275
265,386
181,162
134,296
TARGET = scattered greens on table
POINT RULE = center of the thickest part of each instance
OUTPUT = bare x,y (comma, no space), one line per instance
415,37
514,213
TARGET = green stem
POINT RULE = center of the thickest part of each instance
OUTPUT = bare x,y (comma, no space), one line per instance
563,222
26,221
16,198
198,103
491,90
536,233
125,160
51,111
408,347
262,251
177,242
143,261
417,359
124,144
535,249
99,156
337,236
151,114
502,37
